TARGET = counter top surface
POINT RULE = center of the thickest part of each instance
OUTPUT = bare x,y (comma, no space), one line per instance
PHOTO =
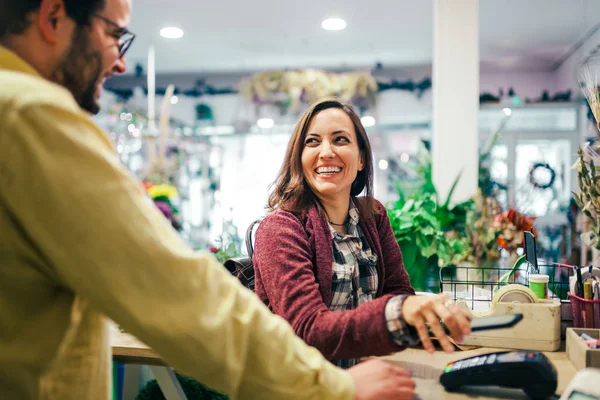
424,367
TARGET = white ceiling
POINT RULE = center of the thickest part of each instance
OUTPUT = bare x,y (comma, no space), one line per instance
268,34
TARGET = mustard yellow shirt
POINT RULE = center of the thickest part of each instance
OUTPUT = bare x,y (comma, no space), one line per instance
80,241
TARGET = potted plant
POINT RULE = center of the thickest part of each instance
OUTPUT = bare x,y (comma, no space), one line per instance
430,233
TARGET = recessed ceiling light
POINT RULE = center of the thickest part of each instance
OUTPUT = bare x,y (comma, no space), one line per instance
265,123
333,24
171,32
367,121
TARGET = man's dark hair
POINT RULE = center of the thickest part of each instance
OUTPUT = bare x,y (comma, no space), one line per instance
15,14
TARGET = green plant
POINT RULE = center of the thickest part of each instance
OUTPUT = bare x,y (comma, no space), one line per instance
225,253
430,234
193,390
588,159
481,230
433,234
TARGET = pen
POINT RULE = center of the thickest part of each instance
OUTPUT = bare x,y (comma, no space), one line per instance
578,282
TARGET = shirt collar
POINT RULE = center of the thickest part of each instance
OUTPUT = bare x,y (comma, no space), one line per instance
351,223
353,214
10,61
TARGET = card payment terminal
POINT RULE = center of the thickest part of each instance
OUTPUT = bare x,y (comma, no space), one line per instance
527,370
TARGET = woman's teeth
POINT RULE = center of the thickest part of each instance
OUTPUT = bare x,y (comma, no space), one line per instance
328,170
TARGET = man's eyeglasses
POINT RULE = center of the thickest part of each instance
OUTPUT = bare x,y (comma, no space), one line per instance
124,37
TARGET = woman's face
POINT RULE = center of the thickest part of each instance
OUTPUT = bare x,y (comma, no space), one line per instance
331,158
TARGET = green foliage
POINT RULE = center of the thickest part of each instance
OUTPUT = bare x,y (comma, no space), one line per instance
429,234
229,251
193,390
432,233
588,198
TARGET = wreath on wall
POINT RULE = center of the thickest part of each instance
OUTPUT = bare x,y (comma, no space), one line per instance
535,181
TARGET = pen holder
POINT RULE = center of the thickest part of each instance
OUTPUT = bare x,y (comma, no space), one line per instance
586,313
577,351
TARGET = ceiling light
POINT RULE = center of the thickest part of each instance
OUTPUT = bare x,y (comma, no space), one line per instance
404,157
265,123
171,32
383,165
174,100
333,24
367,121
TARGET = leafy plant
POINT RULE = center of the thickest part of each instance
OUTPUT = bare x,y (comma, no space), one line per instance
226,252
588,160
429,234
588,198
481,230
433,234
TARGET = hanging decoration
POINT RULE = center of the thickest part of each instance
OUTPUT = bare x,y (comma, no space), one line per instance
419,88
290,89
204,114
558,97
534,175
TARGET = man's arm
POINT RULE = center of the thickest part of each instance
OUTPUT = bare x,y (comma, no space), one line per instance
107,242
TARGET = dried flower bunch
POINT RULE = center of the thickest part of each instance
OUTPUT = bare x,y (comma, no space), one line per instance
588,161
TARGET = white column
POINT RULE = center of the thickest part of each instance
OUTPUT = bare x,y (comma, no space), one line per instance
455,97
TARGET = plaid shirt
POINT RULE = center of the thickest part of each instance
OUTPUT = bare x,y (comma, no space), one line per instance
355,282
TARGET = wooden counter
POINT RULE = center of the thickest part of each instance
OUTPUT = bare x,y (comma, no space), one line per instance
424,367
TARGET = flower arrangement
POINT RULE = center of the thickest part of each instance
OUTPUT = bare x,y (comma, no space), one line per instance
290,89
480,230
163,196
511,225
588,198
588,160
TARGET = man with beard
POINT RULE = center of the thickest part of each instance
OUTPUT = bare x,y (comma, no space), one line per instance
79,241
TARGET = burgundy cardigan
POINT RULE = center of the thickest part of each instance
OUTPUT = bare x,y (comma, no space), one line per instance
293,268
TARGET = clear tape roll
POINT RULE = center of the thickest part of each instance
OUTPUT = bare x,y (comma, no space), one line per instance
514,294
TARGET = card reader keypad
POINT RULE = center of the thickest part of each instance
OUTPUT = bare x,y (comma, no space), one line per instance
486,359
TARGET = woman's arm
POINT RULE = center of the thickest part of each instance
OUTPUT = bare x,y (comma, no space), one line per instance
284,266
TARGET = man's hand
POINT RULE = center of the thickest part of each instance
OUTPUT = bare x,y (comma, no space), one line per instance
420,311
380,380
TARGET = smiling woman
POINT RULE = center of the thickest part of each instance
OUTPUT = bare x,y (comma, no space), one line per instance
328,132
327,260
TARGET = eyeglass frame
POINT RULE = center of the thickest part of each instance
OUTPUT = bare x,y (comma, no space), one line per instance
125,37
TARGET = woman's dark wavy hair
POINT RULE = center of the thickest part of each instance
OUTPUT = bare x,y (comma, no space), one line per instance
291,191
15,15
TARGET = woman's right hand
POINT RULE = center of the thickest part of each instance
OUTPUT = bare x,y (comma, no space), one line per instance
380,380
420,311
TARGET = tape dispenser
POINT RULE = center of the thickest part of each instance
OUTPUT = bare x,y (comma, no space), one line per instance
539,329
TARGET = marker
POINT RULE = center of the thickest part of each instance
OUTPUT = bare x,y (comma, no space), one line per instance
587,290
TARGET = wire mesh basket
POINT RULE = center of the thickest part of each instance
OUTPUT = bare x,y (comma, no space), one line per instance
476,286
